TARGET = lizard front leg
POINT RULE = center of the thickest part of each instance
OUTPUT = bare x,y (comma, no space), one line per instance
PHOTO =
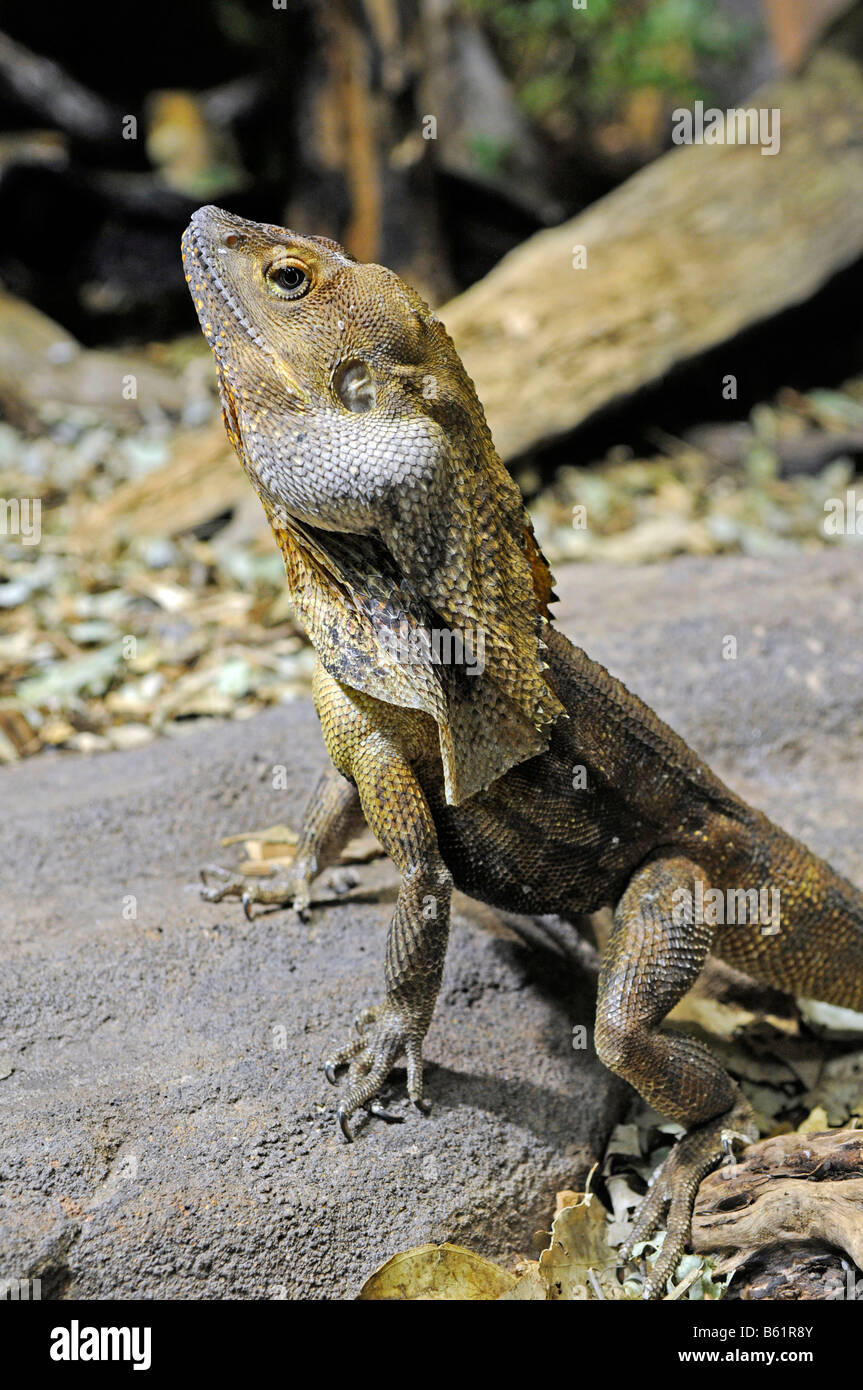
651,959
397,812
332,817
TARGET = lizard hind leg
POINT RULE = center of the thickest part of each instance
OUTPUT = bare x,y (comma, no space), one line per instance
654,954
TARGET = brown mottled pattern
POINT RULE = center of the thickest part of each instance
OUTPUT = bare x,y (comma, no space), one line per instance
393,512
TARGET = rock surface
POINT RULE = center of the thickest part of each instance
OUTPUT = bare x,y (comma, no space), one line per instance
166,1129
782,721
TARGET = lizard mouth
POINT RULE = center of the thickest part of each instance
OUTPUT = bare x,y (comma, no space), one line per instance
211,294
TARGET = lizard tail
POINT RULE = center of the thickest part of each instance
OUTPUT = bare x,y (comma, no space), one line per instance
807,934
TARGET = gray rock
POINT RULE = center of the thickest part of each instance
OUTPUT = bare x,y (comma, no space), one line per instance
167,1131
782,722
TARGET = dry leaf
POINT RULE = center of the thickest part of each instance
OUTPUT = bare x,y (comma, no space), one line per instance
815,1123
437,1272
274,834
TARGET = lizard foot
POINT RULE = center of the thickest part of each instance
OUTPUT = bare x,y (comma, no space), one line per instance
675,1186
384,1032
280,890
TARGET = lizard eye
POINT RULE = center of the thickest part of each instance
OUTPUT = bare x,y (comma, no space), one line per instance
288,281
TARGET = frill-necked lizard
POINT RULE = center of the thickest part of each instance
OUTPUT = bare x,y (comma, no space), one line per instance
454,712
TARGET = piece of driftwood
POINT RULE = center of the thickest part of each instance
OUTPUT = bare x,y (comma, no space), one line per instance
791,1188
43,367
46,89
700,245
794,1273
703,243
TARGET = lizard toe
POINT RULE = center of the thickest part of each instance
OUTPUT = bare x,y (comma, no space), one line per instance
227,885
384,1035
648,1218
676,1186
276,891
341,1058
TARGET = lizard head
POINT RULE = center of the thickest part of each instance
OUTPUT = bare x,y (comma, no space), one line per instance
361,431
301,315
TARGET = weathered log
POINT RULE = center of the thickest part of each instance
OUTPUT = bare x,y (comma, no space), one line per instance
791,1188
700,245
42,367
793,1274
705,242
44,87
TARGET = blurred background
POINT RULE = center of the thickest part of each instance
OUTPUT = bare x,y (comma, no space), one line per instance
667,339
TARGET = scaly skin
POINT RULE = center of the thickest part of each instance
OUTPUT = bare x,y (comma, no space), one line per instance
359,428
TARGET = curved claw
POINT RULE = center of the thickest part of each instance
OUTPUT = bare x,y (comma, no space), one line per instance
424,1106
273,891
374,1107
371,1055
215,870
212,893
225,882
